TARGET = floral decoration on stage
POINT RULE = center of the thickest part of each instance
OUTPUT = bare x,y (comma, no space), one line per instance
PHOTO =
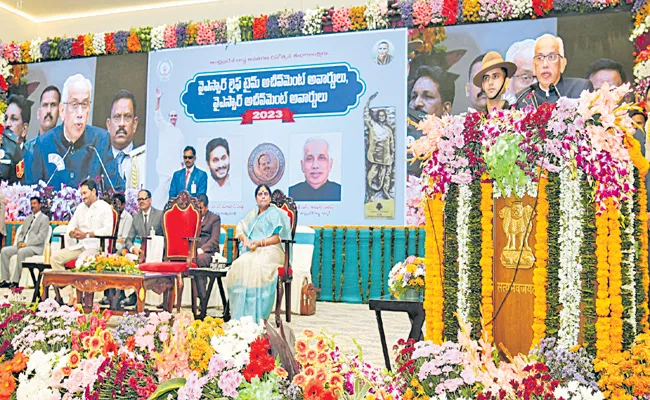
407,275
107,263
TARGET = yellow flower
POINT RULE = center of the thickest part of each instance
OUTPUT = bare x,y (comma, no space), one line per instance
433,293
487,244
541,260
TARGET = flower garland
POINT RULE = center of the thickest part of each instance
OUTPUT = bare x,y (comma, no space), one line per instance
615,259
451,270
475,282
588,260
541,257
570,267
628,270
462,232
487,252
376,14
433,295
602,300
552,267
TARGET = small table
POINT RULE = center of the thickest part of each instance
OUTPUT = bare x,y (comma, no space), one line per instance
202,285
414,309
87,283
31,266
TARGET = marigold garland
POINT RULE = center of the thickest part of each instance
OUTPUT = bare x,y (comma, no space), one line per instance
433,294
450,263
615,279
487,252
588,260
602,277
541,257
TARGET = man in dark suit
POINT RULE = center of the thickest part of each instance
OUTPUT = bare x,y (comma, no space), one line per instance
30,241
190,178
144,221
549,63
210,234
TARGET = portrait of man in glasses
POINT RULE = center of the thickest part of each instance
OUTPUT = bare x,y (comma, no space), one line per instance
189,178
549,63
521,54
74,151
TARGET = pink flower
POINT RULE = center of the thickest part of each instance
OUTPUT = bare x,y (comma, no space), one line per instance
341,20
205,34
169,35
422,13
229,382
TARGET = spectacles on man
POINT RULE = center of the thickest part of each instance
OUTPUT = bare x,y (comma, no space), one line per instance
143,198
188,157
76,105
551,58
526,79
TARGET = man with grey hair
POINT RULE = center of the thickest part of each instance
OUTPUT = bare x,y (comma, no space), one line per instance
521,54
316,165
549,62
74,151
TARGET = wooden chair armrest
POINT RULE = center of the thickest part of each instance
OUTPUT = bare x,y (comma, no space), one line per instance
61,237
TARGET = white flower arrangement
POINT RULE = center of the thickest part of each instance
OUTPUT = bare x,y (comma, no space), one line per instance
575,391
35,50
233,30
641,29
99,43
521,8
570,239
629,256
312,22
641,70
5,68
407,275
158,37
42,374
462,232
376,14
234,344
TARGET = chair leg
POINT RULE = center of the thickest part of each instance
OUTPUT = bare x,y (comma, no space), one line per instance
195,294
179,293
278,301
287,300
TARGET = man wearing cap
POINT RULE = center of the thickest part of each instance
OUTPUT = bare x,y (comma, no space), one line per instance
548,65
494,78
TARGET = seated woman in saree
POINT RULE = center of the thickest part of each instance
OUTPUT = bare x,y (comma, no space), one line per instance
253,277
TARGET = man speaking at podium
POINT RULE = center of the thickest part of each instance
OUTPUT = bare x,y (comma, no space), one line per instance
549,63
70,153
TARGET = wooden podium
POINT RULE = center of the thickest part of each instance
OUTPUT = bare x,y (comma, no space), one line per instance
512,246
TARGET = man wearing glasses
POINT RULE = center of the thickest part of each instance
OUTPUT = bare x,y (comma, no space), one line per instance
548,65
122,124
74,151
189,178
521,54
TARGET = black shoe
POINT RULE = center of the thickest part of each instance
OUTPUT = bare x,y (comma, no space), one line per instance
104,301
129,301
4,285
12,285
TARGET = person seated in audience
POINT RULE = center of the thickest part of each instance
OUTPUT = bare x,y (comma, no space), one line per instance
253,276
119,202
146,220
93,217
210,233
30,241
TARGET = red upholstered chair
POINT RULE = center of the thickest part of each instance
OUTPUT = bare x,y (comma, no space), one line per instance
285,273
181,228
102,239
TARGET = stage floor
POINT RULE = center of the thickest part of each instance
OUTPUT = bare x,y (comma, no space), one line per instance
347,321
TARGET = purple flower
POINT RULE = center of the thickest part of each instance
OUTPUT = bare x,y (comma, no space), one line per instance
65,48
181,34
272,27
45,49
295,24
220,30
120,39
406,11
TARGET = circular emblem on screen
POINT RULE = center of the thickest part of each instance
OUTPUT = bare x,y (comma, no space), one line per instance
165,68
266,164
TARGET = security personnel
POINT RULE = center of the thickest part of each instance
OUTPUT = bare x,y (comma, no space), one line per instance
12,167
74,151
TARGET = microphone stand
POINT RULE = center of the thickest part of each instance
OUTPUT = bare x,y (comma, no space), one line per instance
103,166
56,169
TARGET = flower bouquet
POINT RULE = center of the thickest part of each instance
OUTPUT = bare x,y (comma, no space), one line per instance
103,262
406,279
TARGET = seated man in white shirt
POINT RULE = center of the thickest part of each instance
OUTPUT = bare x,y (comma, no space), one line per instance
93,217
